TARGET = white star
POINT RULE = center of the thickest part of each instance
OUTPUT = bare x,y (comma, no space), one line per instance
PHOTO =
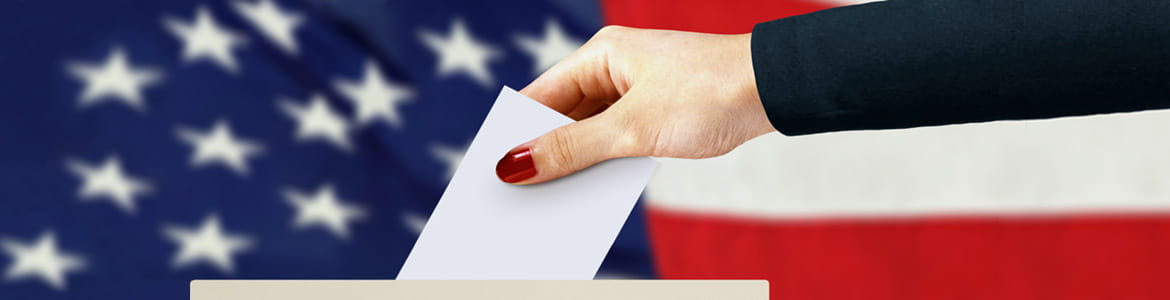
275,24
546,51
208,244
375,97
414,222
316,121
204,39
449,155
108,182
323,209
114,80
219,146
459,52
40,259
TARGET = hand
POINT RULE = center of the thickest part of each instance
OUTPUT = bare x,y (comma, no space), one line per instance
638,92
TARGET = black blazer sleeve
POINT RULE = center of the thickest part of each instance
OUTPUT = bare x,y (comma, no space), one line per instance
907,63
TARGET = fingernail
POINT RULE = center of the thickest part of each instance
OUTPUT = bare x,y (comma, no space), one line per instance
516,166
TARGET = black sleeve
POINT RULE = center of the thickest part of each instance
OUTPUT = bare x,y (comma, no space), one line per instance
908,63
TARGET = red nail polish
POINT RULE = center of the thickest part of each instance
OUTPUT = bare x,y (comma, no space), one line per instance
516,166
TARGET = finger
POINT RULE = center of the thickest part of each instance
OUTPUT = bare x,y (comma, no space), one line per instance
587,109
557,87
578,85
563,151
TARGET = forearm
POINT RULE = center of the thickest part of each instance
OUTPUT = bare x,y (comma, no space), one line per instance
899,64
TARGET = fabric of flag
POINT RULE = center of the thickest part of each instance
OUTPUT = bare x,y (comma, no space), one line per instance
1072,208
148,143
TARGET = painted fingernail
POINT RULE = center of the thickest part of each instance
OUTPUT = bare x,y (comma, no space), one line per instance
516,166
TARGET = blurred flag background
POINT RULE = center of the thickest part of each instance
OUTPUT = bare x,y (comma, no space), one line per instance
148,143
1071,208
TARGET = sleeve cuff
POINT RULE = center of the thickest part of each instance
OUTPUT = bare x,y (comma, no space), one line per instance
795,104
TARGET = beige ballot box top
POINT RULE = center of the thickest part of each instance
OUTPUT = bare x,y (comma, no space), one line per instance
478,289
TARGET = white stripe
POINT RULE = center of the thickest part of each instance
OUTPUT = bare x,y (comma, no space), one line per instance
1086,164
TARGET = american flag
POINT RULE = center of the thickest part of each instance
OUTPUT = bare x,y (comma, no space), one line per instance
148,143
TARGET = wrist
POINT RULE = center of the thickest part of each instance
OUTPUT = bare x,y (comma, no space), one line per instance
748,91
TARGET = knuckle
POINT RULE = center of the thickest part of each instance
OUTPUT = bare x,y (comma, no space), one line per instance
561,154
628,143
611,30
631,137
607,34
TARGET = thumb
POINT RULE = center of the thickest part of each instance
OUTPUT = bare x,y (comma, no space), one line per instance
563,151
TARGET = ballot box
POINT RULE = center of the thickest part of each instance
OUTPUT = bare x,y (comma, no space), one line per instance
478,289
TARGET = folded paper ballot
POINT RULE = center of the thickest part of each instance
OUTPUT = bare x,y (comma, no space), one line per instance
484,228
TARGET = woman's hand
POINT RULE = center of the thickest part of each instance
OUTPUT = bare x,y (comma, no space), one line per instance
638,92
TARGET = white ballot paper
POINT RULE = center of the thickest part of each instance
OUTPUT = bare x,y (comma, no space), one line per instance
484,228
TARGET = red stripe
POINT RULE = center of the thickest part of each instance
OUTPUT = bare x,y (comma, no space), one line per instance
703,16
1070,257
